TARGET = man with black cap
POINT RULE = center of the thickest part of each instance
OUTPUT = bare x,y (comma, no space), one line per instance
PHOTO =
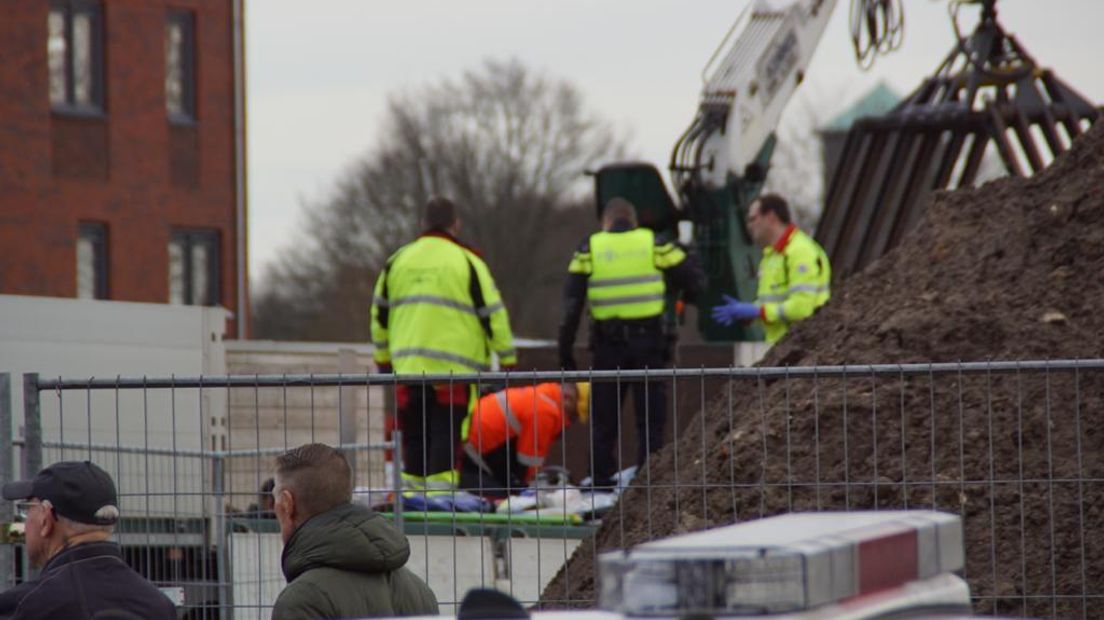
70,511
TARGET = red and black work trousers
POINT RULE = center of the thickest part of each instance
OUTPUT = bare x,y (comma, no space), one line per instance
430,418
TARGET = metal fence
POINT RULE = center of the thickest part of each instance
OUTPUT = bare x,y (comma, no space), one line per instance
1015,448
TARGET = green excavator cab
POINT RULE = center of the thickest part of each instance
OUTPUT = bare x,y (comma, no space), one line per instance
721,242
642,185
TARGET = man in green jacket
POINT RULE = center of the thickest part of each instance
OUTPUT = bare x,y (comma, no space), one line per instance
794,274
341,560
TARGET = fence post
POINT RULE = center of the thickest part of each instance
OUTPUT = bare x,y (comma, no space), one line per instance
32,426
32,444
222,564
7,463
346,415
396,476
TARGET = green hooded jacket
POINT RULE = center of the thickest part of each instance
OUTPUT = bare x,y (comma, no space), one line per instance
348,563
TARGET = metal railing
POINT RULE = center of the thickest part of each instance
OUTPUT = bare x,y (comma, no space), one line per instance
1012,447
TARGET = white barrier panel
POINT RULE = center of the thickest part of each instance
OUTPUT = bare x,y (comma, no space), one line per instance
451,565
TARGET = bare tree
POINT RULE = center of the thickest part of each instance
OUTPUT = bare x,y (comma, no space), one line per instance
509,146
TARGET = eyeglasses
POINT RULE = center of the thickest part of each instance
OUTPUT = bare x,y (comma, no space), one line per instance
23,508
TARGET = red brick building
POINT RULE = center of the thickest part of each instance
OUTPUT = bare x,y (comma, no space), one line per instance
122,162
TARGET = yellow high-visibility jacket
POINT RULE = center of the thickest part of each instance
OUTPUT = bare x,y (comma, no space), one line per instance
625,273
794,280
436,309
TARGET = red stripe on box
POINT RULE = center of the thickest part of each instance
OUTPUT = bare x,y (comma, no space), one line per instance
887,562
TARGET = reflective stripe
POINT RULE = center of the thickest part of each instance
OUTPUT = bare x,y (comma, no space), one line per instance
437,301
797,288
448,303
379,344
808,288
439,355
381,302
580,263
507,353
668,255
627,280
618,301
469,451
532,461
504,404
548,399
489,310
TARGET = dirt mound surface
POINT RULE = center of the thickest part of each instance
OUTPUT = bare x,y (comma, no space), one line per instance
1013,270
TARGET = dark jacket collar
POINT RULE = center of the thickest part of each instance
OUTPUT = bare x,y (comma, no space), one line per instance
83,551
444,234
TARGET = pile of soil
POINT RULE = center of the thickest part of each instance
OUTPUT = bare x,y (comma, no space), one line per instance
1013,270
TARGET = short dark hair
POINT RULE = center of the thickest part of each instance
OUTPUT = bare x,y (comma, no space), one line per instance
318,475
773,203
440,213
619,209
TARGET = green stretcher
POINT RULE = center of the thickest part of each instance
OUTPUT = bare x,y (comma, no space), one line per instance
530,525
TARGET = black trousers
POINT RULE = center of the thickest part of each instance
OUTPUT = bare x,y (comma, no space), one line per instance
628,345
430,420
505,478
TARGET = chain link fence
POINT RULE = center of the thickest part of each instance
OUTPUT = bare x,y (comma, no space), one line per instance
1015,448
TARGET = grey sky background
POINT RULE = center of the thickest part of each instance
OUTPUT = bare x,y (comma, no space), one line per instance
319,74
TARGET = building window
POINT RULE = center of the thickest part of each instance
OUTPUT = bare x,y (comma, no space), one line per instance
75,55
92,261
180,66
194,268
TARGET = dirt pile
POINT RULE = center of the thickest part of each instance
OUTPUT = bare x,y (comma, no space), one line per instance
1010,271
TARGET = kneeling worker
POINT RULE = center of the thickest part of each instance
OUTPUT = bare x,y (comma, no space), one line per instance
511,432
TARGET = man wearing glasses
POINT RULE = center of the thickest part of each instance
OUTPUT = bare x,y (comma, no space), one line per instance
794,274
70,510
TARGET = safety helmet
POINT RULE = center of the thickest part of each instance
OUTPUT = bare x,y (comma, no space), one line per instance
582,401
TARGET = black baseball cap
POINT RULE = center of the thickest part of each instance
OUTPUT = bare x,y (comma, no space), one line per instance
78,490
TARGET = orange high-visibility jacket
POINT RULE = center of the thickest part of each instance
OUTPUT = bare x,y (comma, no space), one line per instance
531,418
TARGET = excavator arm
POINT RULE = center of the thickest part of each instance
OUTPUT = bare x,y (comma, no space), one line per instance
988,95
719,163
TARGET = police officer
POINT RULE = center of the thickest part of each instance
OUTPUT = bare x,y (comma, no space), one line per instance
794,274
623,273
436,310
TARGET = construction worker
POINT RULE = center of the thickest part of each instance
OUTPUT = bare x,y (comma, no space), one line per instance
794,274
436,310
623,273
511,432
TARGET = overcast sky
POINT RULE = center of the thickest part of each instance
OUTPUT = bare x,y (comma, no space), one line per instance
319,73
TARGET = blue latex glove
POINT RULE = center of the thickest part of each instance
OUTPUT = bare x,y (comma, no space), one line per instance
734,310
